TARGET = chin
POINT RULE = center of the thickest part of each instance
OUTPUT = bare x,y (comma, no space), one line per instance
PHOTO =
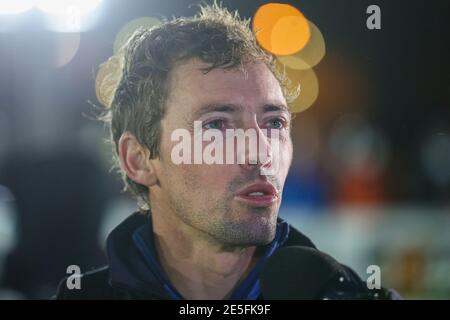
259,231
260,240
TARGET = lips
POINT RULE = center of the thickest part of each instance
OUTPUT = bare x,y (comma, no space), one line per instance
258,195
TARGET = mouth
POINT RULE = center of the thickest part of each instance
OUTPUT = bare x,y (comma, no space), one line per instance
261,194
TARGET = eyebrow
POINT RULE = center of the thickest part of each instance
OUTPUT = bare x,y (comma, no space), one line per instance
276,107
231,108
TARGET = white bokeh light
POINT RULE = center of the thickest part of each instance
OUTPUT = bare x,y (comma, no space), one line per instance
61,15
61,7
69,15
15,6
52,7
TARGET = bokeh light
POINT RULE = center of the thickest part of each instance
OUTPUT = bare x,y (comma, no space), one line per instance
435,157
108,76
280,28
15,6
355,143
67,45
127,30
62,7
310,55
309,86
69,15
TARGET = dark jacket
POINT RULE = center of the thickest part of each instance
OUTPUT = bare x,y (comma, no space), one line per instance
128,277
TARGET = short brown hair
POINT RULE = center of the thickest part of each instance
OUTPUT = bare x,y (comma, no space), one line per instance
135,100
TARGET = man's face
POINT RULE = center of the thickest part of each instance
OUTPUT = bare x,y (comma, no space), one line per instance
214,198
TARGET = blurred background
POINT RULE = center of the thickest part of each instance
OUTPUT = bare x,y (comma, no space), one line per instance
370,181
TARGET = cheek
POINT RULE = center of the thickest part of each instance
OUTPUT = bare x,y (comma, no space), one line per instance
286,153
211,178
196,179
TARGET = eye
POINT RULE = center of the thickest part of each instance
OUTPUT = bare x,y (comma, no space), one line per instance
215,124
276,124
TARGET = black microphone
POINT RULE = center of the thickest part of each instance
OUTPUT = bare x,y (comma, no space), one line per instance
302,273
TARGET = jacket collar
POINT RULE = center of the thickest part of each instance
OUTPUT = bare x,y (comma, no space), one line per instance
129,270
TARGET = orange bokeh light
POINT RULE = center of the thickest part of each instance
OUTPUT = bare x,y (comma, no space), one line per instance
281,29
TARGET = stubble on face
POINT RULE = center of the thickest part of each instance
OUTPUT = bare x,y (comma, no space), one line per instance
222,219
202,196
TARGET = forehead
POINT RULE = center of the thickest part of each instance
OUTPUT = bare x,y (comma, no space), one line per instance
251,86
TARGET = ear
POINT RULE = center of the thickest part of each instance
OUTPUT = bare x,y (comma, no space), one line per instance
135,160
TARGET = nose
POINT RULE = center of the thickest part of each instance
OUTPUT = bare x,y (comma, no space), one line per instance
258,151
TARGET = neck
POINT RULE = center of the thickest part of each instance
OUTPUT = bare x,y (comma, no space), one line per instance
198,266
